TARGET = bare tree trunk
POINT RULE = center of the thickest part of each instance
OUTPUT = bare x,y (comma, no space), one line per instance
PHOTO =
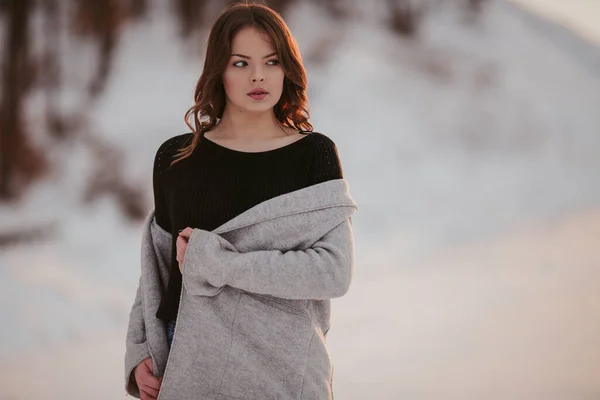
189,13
405,16
475,5
474,10
138,8
51,69
19,162
338,9
101,20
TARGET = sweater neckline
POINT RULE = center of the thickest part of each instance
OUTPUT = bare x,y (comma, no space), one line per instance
250,153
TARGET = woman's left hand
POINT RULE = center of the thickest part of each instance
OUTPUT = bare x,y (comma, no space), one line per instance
182,242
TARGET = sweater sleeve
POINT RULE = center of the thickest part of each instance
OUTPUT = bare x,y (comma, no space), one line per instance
162,162
325,162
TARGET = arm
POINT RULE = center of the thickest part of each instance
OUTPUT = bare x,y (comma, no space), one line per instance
322,271
136,348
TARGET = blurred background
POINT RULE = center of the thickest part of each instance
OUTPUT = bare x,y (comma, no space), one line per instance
468,130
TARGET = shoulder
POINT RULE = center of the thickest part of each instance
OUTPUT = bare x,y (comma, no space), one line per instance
168,149
174,143
321,140
324,146
325,160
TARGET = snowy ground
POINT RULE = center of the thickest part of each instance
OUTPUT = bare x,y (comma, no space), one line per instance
474,156
581,16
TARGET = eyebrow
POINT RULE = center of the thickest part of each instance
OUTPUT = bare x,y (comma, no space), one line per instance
248,57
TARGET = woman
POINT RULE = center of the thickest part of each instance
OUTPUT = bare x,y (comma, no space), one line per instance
251,145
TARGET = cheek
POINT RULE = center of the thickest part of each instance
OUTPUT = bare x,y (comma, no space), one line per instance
277,80
231,81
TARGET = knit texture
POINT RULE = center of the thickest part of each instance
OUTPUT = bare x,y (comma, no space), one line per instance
216,183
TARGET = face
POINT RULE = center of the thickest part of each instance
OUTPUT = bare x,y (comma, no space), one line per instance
253,64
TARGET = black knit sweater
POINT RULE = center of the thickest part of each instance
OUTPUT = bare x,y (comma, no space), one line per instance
216,183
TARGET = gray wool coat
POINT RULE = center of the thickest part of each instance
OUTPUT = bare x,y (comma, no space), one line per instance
255,304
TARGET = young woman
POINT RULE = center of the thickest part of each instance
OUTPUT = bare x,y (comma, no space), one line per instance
251,142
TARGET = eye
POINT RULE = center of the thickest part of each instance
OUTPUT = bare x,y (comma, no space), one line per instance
240,61
275,62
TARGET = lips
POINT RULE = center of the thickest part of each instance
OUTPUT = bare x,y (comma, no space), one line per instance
258,92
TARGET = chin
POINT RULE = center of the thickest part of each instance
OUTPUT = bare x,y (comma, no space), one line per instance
257,108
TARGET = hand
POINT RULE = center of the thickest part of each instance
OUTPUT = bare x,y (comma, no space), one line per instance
149,384
182,242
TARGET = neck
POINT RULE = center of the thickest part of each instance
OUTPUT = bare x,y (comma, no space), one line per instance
236,124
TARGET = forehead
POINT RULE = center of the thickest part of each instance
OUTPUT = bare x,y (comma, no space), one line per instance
251,41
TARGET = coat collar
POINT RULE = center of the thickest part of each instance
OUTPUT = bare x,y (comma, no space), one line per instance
329,194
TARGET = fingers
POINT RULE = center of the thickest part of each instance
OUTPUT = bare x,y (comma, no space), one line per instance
146,396
186,233
149,381
148,363
181,242
146,380
181,245
149,390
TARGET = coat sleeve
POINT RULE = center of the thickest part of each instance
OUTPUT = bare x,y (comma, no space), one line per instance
136,348
322,271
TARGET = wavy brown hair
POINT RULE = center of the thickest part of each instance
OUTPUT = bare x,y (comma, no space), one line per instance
209,95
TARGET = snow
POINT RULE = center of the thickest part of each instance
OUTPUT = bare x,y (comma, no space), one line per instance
473,154
580,16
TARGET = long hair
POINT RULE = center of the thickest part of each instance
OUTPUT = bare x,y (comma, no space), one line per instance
209,95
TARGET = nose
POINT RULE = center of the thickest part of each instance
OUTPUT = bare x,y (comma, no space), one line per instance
258,75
